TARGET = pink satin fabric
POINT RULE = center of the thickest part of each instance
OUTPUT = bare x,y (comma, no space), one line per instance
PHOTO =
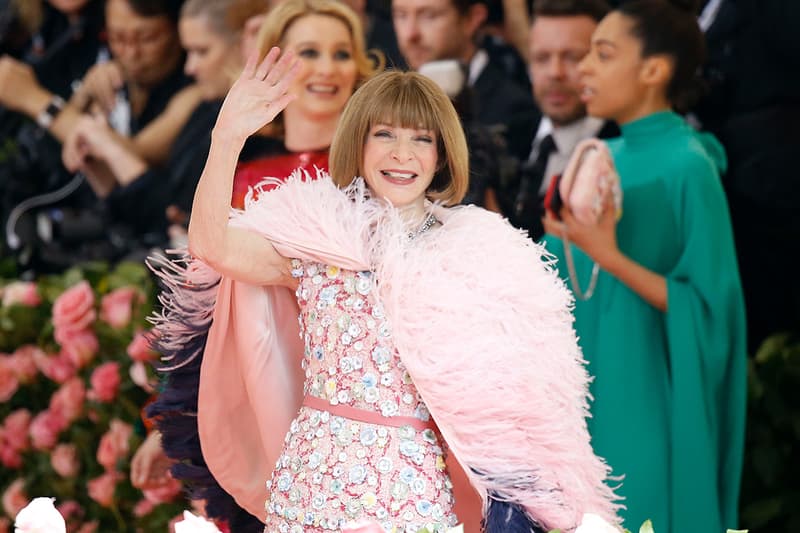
251,387
369,417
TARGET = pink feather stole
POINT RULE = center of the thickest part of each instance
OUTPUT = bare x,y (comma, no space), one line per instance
479,317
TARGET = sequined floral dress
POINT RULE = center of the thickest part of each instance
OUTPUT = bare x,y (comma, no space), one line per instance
335,470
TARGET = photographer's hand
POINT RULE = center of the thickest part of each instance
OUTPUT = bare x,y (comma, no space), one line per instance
93,148
99,86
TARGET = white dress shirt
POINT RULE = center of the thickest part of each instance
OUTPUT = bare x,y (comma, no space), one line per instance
566,138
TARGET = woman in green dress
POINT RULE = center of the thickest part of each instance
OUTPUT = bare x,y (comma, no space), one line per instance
664,330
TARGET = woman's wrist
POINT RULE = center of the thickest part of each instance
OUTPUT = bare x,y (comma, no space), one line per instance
225,137
611,260
126,166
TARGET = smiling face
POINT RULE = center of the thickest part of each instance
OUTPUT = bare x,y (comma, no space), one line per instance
328,71
400,163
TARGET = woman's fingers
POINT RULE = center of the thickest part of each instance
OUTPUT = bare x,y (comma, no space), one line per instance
280,69
266,65
281,86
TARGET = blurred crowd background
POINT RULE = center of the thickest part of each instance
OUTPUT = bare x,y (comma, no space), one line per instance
107,109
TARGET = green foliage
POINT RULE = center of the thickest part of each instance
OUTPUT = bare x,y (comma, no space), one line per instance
770,499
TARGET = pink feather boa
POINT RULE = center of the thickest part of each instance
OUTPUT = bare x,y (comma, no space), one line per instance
483,325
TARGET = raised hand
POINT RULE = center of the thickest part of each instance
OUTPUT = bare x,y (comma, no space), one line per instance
260,93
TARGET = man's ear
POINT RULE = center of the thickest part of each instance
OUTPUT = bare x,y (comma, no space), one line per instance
475,18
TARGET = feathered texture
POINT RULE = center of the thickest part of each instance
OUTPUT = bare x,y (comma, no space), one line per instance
510,396
313,218
483,325
504,517
180,333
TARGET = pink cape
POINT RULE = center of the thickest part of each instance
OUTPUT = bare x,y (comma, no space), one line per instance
480,320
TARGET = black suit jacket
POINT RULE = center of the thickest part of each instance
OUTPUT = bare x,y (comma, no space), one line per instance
528,216
497,99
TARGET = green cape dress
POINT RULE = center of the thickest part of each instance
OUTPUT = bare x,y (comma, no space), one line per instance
670,388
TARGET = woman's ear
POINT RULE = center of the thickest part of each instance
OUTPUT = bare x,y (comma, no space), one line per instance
657,70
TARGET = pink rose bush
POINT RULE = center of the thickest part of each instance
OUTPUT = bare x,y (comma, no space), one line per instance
64,460
73,311
114,445
14,498
8,380
116,308
105,382
76,369
20,293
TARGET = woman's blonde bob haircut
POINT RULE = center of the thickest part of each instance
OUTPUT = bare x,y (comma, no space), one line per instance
406,100
283,15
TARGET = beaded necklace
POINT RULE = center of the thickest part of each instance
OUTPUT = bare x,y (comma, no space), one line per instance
430,220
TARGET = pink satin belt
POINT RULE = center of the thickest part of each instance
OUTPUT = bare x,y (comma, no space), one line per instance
368,417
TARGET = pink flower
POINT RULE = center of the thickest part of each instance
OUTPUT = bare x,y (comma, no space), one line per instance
56,367
143,508
114,444
15,429
45,428
64,460
9,457
22,293
116,307
164,493
14,498
105,382
138,373
101,489
79,347
139,348
70,510
67,401
23,364
73,310
89,527
8,380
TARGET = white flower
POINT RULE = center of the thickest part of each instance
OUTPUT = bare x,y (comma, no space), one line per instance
592,523
40,516
458,529
195,524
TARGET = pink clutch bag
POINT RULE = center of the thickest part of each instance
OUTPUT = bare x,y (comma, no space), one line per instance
586,186
589,180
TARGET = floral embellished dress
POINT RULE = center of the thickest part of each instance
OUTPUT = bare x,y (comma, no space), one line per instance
335,468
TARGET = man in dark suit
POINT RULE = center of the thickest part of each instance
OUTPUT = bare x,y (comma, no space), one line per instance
559,38
432,30
753,107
